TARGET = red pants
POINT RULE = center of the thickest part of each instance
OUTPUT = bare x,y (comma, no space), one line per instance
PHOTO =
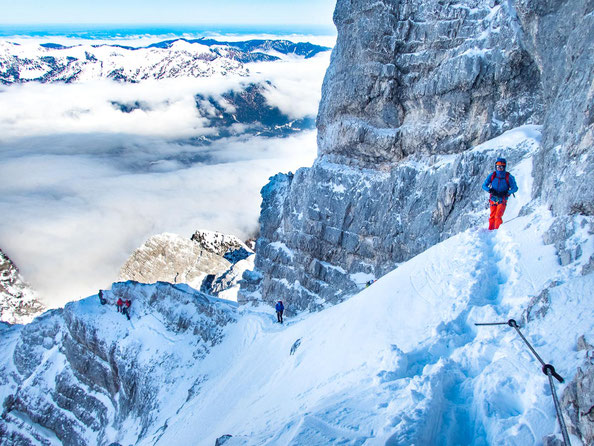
497,210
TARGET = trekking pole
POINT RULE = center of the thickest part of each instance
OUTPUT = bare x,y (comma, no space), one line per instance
547,369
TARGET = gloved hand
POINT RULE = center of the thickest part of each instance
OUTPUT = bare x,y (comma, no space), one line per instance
492,191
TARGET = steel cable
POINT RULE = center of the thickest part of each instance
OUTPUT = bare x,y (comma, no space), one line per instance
547,369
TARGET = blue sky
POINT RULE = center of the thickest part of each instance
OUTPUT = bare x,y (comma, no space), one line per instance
244,12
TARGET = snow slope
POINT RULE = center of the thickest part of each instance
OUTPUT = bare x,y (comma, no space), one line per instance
401,363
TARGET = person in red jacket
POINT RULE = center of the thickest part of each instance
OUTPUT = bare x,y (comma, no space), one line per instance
126,309
119,304
500,184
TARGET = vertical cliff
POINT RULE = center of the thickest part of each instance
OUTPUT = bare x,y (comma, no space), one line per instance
414,87
560,36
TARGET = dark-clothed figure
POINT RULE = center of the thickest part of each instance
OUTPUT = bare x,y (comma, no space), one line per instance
500,185
126,308
279,311
102,298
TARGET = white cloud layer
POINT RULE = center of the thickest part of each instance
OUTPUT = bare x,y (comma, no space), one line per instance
84,184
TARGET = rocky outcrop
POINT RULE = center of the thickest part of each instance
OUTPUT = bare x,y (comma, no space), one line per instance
212,262
577,400
110,376
218,243
227,284
175,259
412,89
19,303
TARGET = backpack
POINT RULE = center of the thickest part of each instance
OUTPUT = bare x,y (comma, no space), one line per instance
506,178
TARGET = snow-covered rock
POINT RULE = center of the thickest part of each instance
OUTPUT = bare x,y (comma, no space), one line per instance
19,303
210,261
401,362
578,397
86,375
175,259
226,285
218,243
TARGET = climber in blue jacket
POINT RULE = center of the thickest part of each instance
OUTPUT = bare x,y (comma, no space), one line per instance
279,311
500,184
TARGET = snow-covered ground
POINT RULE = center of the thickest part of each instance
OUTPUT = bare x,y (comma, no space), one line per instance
402,362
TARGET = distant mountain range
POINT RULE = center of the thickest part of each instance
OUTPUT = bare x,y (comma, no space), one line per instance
258,46
51,62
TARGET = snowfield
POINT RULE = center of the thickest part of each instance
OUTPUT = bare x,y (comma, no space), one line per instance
402,363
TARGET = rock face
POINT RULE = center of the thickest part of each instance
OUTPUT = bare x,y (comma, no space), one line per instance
559,36
172,258
213,257
412,89
423,77
110,376
19,303
327,230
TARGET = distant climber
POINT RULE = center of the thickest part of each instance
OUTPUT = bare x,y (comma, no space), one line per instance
279,311
102,298
500,185
369,283
126,308
119,304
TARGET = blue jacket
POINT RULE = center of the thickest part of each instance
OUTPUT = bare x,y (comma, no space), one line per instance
279,306
500,186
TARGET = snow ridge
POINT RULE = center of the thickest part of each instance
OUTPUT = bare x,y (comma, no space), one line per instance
402,362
